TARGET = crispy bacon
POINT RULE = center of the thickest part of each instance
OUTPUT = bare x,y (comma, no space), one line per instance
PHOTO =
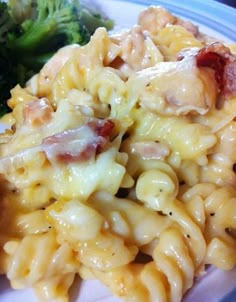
78,145
83,155
101,128
218,57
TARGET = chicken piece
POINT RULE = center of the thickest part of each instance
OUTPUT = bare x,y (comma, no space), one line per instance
43,81
137,51
175,87
154,18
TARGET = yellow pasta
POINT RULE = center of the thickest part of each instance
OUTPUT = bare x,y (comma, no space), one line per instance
173,38
119,164
30,266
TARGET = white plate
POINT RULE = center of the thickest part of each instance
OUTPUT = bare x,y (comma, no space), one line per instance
217,20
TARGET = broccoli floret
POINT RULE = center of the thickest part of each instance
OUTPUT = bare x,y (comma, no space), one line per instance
94,20
7,23
31,31
56,23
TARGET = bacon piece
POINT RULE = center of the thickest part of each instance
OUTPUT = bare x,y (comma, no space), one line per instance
150,149
83,155
78,145
38,112
218,57
42,83
101,128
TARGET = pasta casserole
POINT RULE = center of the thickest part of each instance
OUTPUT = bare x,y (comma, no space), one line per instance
119,164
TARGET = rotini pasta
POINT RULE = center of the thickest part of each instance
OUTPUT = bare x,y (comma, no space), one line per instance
119,164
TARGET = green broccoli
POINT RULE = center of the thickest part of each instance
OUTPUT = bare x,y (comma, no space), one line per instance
94,20
32,31
57,23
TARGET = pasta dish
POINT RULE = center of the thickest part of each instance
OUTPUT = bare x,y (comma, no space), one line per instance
119,164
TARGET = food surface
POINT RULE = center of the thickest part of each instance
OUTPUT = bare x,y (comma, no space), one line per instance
119,164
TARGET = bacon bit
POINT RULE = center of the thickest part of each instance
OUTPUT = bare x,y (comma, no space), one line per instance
230,81
101,128
78,145
117,63
38,112
218,57
150,149
82,156
214,61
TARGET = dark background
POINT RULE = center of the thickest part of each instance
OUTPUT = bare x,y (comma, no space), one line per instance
228,2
